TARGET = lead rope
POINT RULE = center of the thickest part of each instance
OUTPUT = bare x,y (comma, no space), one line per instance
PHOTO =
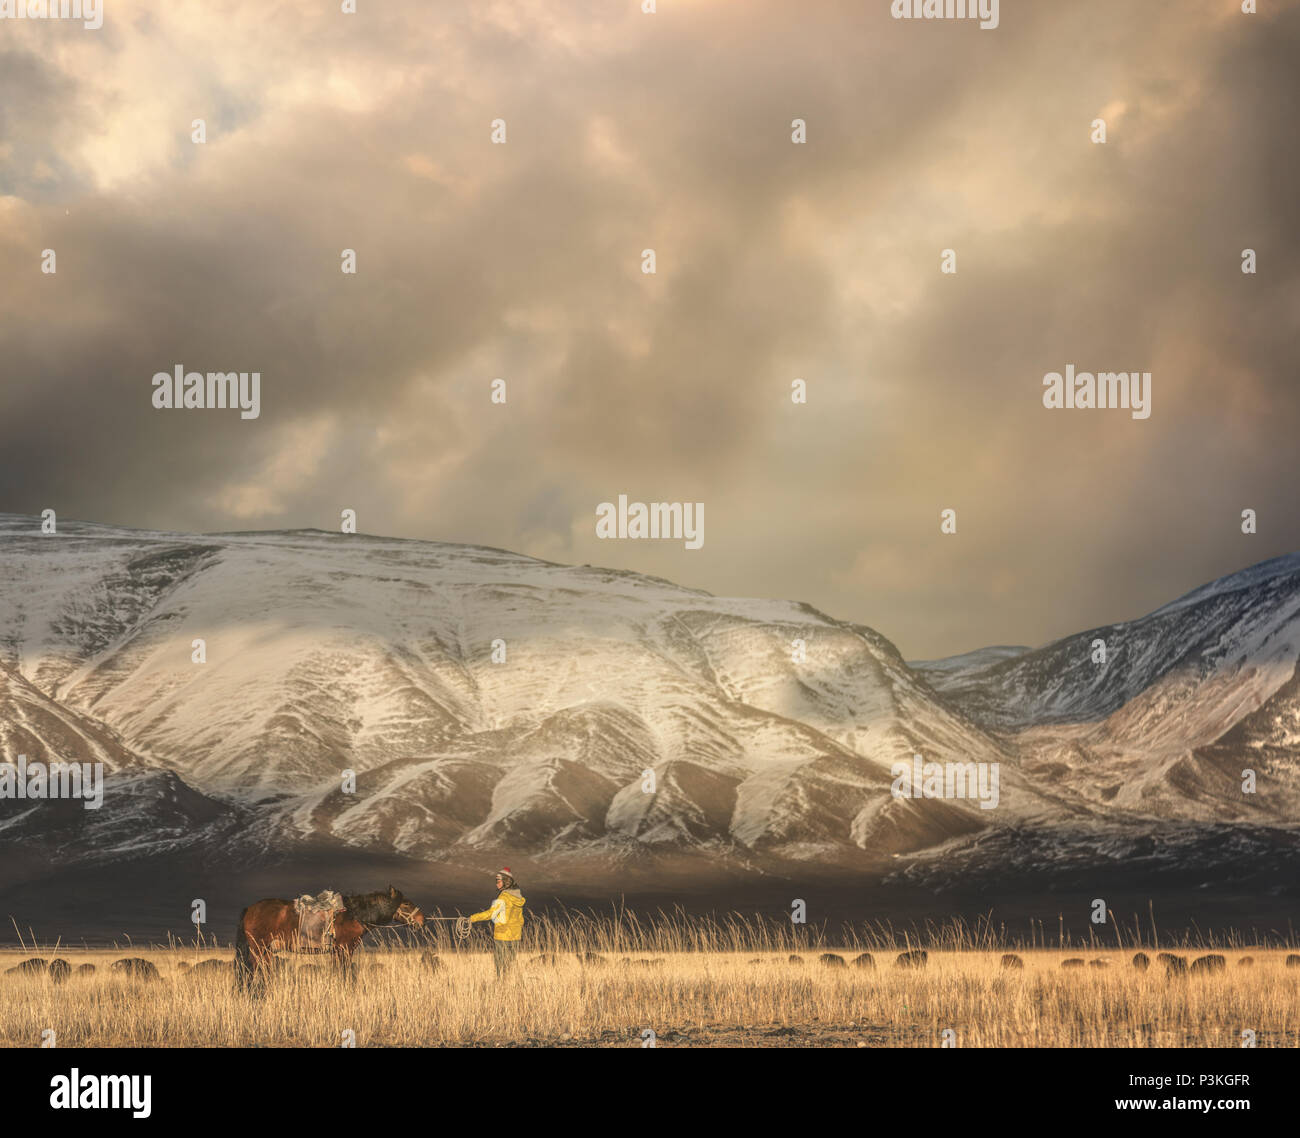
462,928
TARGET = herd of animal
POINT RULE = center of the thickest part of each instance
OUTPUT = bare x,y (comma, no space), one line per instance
1174,965
59,970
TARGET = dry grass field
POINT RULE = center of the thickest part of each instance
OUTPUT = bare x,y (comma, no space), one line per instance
731,985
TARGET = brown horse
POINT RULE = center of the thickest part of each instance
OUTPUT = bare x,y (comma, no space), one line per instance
269,926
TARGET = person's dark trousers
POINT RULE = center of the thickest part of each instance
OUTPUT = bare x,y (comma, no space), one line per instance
504,953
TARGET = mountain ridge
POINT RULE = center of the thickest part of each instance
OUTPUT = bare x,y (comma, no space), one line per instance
488,701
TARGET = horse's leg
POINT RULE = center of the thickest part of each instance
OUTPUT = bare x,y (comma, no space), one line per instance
343,958
263,962
262,929
266,966
243,955
250,968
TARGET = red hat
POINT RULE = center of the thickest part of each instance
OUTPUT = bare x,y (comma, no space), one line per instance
504,871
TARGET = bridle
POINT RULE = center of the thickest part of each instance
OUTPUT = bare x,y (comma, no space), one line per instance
461,929
404,923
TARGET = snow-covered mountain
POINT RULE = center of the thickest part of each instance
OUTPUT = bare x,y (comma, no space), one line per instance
490,702
1167,723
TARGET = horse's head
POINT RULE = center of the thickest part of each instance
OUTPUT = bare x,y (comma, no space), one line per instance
410,914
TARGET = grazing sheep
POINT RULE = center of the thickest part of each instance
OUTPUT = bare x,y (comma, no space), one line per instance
757,960
655,963
31,964
182,966
832,960
592,958
1293,960
1174,965
917,958
1098,963
1246,962
1141,961
136,967
1073,962
211,967
85,969
795,959
1011,960
1212,963
59,970
864,960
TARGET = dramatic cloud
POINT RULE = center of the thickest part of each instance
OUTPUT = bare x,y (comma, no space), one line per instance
776,261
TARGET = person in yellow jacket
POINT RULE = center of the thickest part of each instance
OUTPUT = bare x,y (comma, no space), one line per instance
507,916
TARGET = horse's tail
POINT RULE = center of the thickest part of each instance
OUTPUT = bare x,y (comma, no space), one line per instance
243,954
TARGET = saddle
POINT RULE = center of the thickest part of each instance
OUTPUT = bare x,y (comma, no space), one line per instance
316,920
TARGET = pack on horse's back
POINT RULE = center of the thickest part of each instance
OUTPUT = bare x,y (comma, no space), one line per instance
316,920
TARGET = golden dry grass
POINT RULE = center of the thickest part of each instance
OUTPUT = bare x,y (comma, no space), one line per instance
697,998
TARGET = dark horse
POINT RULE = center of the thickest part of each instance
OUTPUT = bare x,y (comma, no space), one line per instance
266,927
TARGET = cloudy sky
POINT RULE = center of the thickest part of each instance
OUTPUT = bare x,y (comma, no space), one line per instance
776,261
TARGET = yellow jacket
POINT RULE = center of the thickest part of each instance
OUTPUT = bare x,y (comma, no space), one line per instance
506,915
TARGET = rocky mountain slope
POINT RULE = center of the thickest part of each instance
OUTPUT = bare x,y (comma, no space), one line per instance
492,703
